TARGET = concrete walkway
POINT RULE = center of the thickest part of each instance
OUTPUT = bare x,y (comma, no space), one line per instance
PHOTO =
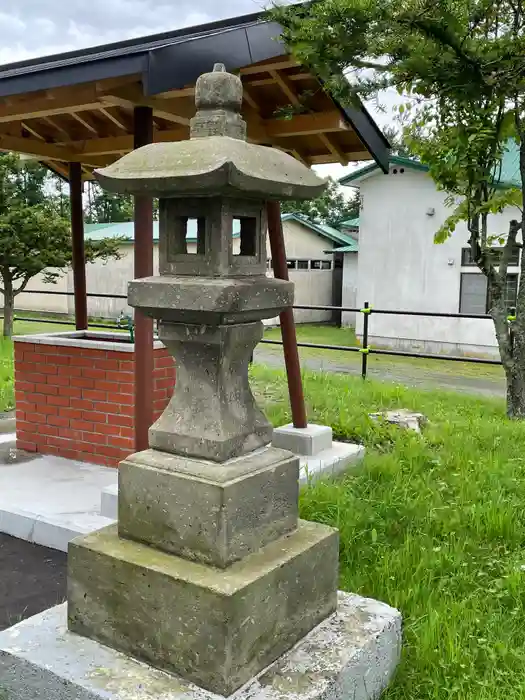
50,500
400,374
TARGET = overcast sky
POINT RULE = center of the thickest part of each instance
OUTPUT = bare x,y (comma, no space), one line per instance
32,28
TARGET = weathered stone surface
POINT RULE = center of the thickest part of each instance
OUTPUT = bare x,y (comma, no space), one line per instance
210,300
212,414
198,510
215,226
218,164
215,629
352,655
403,418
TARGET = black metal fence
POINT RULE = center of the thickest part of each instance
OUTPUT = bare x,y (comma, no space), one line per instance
364,349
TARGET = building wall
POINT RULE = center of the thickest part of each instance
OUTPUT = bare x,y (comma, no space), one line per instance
37,301
400,267
312,287
348,318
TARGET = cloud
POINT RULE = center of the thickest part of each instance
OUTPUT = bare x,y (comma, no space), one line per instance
31,28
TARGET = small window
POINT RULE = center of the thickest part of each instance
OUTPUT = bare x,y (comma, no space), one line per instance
187,236
467,260
321,265
291,264
302,264
247,225
474,297
473,294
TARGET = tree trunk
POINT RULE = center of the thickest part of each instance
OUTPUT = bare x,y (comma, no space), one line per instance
515,374
9,303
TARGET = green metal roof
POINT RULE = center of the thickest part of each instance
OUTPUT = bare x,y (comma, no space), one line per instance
126,230
509,175
351,223
353,248
332,234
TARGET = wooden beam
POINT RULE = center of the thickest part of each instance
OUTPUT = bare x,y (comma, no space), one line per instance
354,155
121,144
85,123
112,118
306,124
266,67
270,81
287,87
334,148
55,125
77,236
132,97
47,106
35,147
33,132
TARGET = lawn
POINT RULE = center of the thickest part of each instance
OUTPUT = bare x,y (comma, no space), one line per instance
435,526
332,335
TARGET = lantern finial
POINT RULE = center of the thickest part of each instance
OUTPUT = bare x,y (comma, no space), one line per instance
218,98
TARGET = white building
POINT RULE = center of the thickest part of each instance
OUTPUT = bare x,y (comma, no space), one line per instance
401,268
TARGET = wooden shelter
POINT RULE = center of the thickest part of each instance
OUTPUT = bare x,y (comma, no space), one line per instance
84,109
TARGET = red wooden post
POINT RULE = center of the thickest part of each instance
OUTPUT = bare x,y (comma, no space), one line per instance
291,353
77,236
144,362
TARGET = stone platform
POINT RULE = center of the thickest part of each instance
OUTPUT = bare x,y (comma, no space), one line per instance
350,656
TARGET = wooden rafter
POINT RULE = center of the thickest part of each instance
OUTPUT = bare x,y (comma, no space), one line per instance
114,119
31,130
54,124
334,148
86,123
288,88
131,96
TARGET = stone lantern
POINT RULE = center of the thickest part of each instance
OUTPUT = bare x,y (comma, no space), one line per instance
209,574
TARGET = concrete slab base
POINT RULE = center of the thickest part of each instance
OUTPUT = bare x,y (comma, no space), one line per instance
338,458
109,501
319,456
51,500
351,655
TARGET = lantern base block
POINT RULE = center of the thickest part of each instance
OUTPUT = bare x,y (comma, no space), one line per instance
216,628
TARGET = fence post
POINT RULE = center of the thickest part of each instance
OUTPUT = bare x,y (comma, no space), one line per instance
366,310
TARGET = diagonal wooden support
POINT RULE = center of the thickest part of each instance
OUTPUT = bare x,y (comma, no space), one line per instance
291,353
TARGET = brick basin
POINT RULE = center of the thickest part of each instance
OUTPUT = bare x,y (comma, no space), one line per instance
75,394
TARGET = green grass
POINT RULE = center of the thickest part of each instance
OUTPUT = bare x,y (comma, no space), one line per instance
433,525
332,335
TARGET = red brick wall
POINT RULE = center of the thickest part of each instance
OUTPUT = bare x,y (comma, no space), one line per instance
79,402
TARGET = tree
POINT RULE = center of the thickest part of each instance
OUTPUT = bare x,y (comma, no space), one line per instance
330,208
34,237
462,63
107,207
